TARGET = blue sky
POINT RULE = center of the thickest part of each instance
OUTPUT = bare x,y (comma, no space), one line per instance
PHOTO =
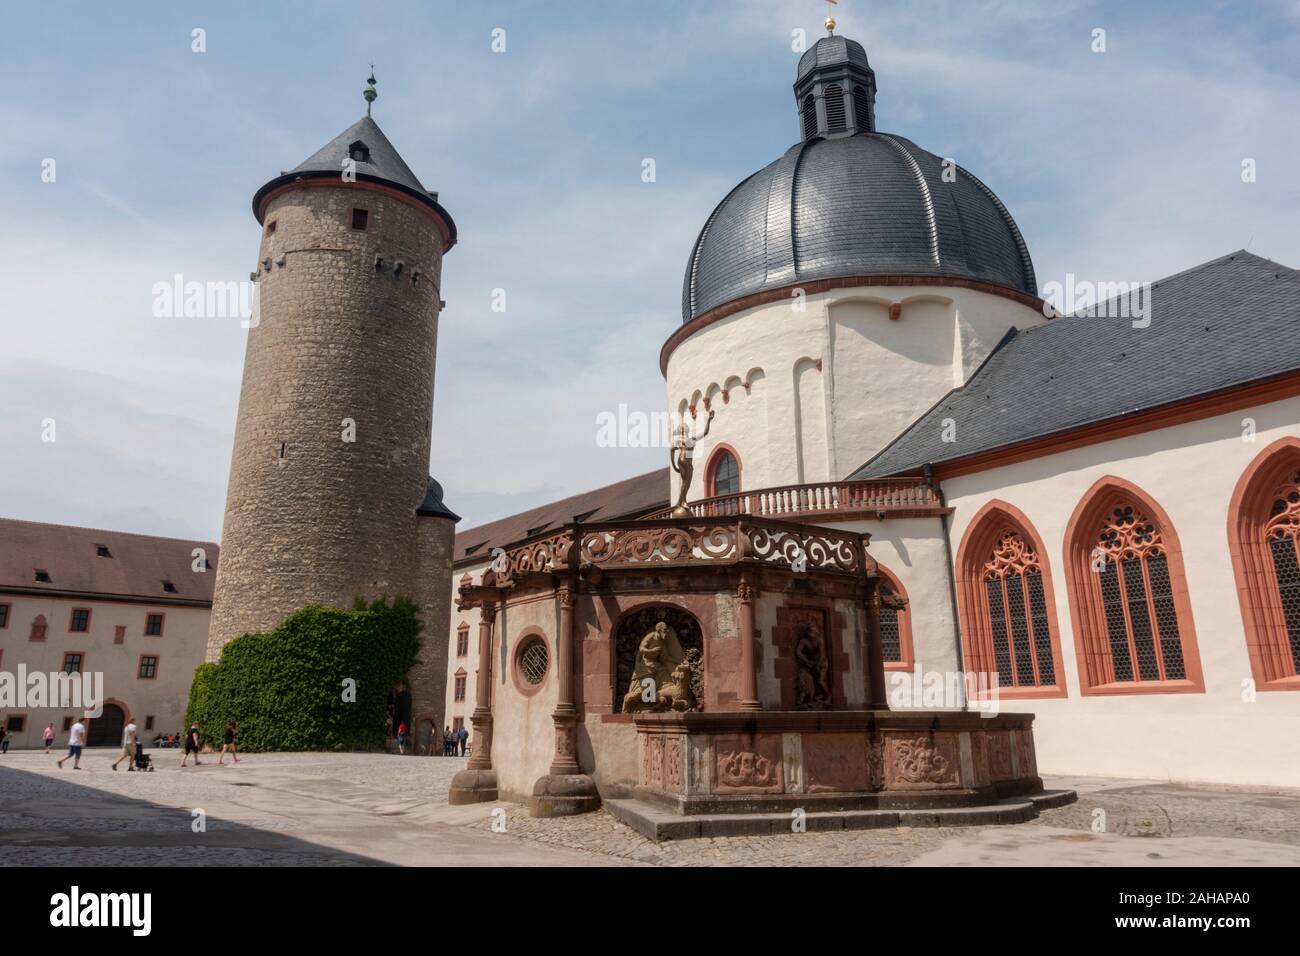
1117,166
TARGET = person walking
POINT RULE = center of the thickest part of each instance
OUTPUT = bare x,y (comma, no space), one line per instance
128,747
401,737
462,736
76,740
49,737
228,740
192,744
6,735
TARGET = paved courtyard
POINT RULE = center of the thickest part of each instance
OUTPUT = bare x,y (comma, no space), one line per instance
368,809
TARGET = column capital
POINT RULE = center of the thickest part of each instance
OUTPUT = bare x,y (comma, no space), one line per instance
564,596
487,613
745,592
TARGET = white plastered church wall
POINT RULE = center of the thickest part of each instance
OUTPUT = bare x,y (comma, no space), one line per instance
1191,470
834,382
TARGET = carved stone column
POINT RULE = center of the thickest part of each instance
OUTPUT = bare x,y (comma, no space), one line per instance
877,696
748,699
566,790
566,714
477,783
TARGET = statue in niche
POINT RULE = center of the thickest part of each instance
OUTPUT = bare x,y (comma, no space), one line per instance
663,679
679,456
812,669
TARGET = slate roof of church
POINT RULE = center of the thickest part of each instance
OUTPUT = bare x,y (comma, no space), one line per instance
629,498
136,568
1223,324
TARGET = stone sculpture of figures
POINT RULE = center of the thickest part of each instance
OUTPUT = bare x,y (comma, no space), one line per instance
661,661
679,456
813,669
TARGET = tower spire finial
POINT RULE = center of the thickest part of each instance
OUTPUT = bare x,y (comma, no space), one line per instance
830,20
370,93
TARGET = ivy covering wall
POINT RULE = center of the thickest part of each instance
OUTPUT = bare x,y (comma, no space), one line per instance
319,681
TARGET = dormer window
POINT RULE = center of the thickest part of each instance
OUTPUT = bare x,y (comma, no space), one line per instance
359,152
473,547
169,587
101,550
532,531
42,576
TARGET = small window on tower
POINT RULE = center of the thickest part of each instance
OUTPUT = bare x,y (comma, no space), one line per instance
359,152
360,219
102,551
270,228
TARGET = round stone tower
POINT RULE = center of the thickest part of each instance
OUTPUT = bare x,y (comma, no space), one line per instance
330,497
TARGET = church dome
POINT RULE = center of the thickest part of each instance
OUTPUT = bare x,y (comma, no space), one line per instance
851,202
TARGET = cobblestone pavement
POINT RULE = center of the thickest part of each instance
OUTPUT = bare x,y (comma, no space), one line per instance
367,809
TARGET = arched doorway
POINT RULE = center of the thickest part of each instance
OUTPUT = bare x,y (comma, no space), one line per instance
399,709
424,738
636,624
106,729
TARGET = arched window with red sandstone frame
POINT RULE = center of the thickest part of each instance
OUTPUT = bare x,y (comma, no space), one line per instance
1007,604
1264,540
1128,594
895,624
722,476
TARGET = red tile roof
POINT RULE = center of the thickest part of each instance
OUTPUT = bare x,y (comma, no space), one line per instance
137,568
624,499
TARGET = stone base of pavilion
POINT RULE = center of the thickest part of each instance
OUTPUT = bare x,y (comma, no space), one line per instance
732,774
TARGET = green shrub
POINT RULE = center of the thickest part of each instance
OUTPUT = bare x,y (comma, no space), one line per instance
286,687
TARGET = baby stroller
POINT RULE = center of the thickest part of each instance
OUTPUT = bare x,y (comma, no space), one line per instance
142,760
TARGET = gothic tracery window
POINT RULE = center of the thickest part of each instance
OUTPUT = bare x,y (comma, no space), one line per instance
1016,613
1133,622
1264,534
1137,598
1281,533
1007,605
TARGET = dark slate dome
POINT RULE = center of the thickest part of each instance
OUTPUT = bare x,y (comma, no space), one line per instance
849,201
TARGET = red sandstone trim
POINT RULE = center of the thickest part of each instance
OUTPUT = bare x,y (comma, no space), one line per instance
1262,616
711,470
162,625
522,640
825,285
127,717
906,654
1090,639
976,628
157,665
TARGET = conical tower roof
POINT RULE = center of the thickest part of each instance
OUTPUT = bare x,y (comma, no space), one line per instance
375,160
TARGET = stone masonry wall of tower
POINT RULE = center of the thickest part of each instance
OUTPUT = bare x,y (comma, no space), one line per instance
309,516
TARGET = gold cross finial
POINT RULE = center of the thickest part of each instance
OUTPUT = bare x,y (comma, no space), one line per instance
830,20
